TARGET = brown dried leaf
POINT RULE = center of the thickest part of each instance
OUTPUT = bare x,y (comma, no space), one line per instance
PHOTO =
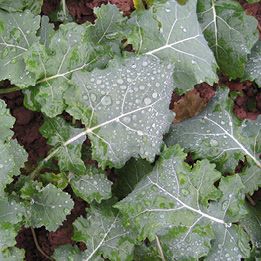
188,106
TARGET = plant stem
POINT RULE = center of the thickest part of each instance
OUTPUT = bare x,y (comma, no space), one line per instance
8,90
38,246
64,7
251,201
160,249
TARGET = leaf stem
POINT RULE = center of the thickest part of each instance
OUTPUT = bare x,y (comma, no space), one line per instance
64,7
8,90
38,246
251,201
160,249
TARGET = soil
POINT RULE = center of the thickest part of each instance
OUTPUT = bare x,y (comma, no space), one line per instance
26,128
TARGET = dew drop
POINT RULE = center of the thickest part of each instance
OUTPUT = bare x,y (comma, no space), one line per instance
213,142
120,81
93,97
127,119
106,100
147,101
225,205
154,95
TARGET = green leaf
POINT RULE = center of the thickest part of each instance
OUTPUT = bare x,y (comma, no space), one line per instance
109,28
103,233
7,122
68,253
171,32
67,53
253,1
253,66
130,175
126,112
46,31
17,34
20,5
94,185
251,179
12,156
8,233
252,225
57,131
60,180
182,206
10,211
49,207
12,254
216,134
72,48
230,33
146,253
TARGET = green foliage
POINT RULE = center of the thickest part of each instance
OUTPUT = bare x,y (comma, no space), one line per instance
190,215
216,134
230,33
171,32
104,90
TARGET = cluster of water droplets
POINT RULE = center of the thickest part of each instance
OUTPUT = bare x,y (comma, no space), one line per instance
130,102
92,186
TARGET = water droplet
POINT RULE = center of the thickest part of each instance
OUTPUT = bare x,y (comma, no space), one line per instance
213,142
184,30
106,100
127,119
93,97
184,192
144,63
154,95
140,133
1,166
147,101
120,81
53,206
225,205
142,87
167,10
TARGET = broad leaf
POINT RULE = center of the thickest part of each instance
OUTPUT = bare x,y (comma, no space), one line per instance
173,202
8,233
130,175
72,48
253,66
216,134
12,254
20,5
124,107
110,27
171,32
53,66
7,122
57,131
147,253
252,225
68,253
17,34
49,207
103,234
10,211
46,31
230,33
251,178
12,156
94,185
